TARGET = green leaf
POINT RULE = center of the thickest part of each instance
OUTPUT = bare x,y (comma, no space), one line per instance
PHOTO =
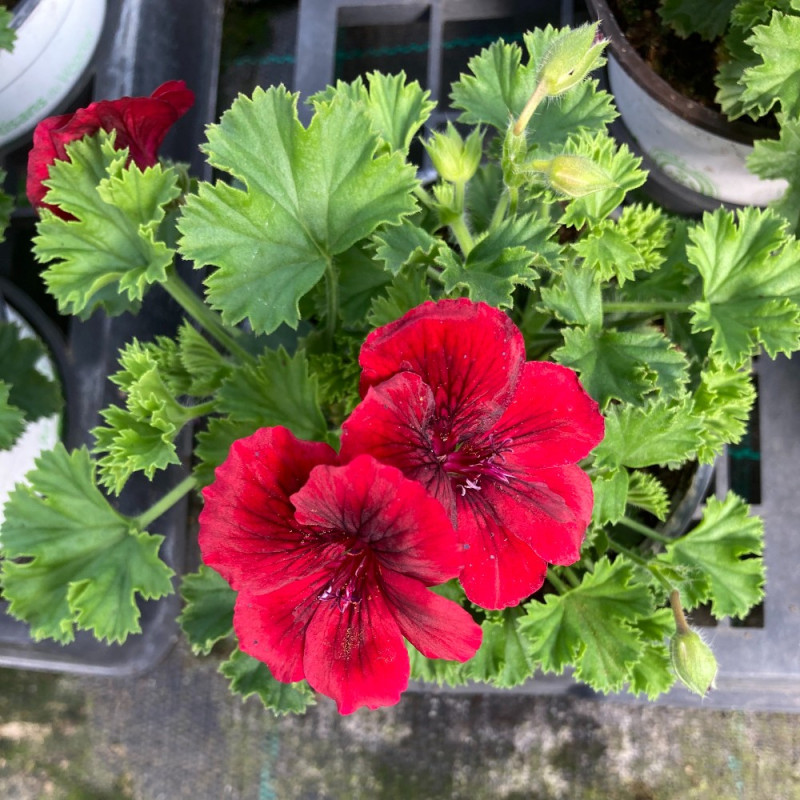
408,290
663,432
110,254
503,259
617,249
708,20
727,546
610,496
141,437
6,203
307,199
214,442
361,280
207,616
574,297
83,564
653,674
593,626
12,419
438,671
645,491
777,78
780,159
623,365
751,286
249,676
502,659
397,109
34,394
7,33
405,244
206,367
723,401
276,390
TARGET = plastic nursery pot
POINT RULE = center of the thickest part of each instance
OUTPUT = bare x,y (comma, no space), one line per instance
42,434
55,43
686,144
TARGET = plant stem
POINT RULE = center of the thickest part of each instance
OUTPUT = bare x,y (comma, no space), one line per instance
560,586
570,575
462,234
655,306
499,210
165,503
539,93
180,291
642,562
681,625
644,529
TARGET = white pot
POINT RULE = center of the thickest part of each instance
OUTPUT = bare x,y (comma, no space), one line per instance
691,144
55,42
42,434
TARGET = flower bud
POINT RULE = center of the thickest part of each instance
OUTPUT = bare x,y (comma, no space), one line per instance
455,159
693,661
571,57
574,176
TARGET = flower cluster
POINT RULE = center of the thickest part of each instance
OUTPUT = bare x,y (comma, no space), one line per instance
459,462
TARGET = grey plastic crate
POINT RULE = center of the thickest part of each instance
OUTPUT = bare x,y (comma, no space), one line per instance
144,43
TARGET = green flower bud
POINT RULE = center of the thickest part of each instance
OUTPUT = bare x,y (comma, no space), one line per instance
693,661
454,158
571,57
574,176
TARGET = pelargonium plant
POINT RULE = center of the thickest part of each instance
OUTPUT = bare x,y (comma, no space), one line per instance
437,421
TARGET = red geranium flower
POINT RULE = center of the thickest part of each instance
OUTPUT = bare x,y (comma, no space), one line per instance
332,564
451,401
141,124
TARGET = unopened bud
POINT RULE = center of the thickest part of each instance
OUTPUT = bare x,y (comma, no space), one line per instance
693,661
574,176
454,158
571,57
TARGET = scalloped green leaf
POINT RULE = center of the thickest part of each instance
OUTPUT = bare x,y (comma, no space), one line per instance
623,365
726,546
12,419
248,676
71,560
593,627
751,285
109,254
207,615
306,199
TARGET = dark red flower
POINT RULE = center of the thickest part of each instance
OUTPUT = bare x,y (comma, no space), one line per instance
141,124
331,565
451,401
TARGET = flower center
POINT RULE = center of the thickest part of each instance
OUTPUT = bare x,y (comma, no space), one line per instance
468,464
346,586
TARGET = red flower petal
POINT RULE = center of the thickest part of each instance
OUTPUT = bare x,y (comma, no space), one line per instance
272,627
551,417
470,354
357,656
141,124
393,424
436,626
548,509
501,569
404,527
247,528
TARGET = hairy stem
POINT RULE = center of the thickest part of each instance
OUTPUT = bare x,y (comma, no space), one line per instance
645,530
650,307
560,586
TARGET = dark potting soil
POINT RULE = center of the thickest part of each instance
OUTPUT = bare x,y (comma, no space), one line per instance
688,65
